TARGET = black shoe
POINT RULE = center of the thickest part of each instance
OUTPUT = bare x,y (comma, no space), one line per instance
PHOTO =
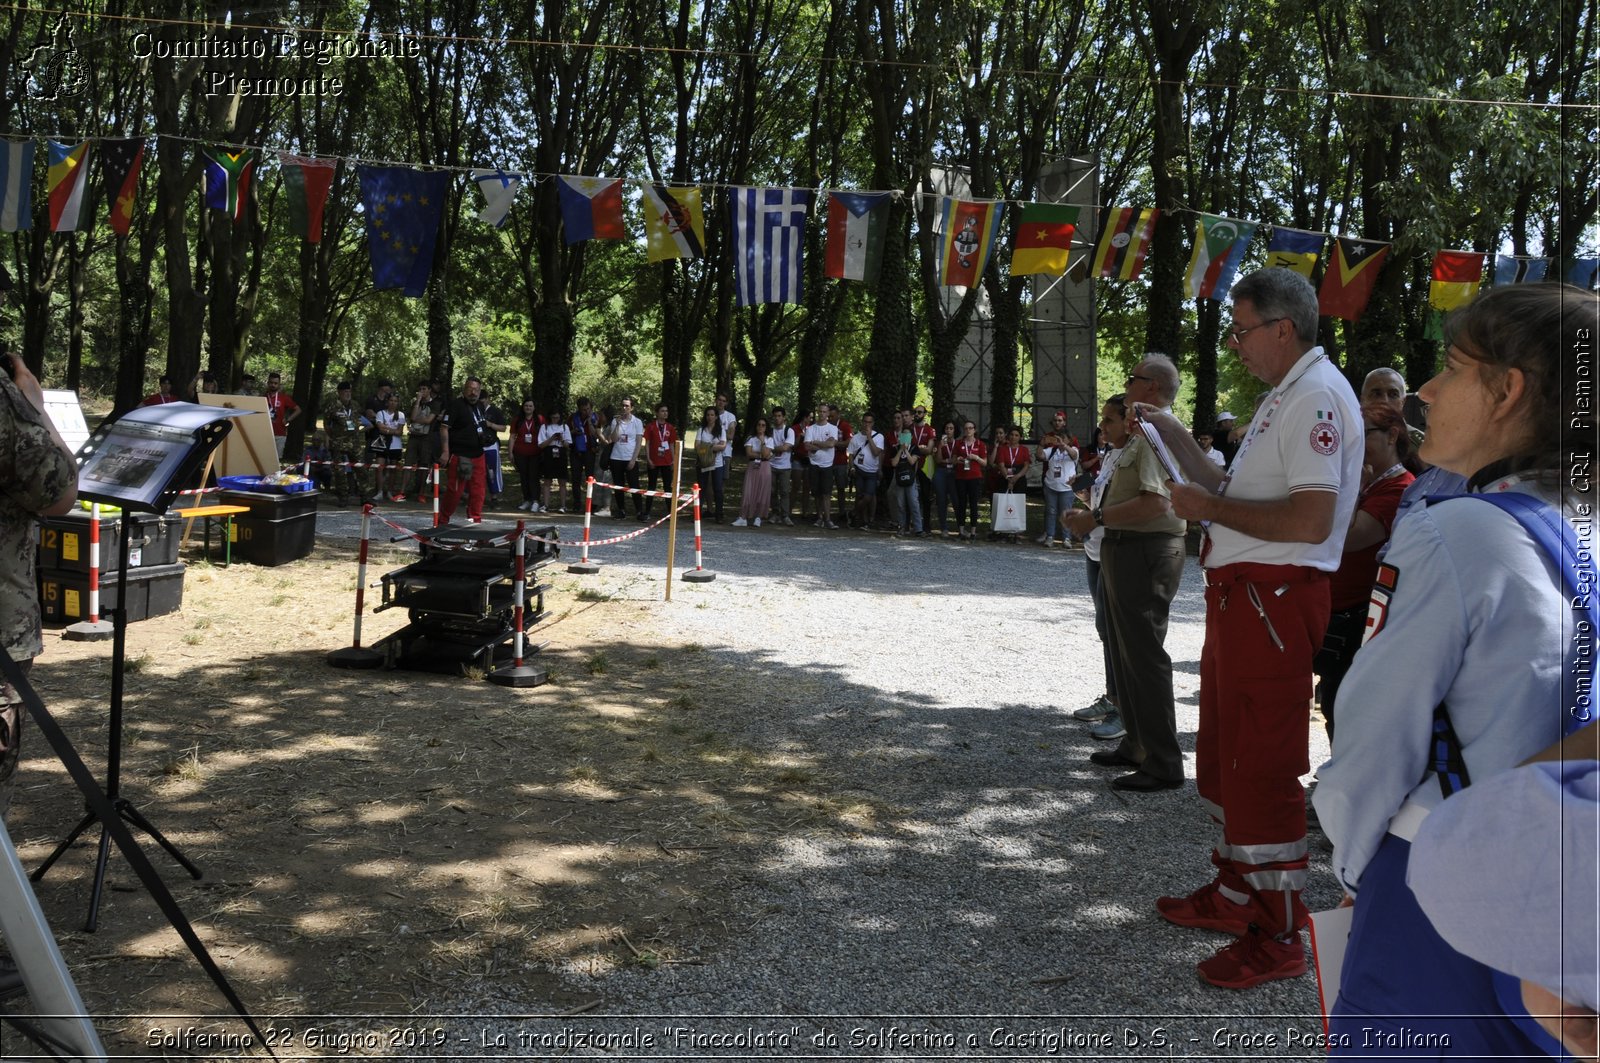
1140,783
1110,758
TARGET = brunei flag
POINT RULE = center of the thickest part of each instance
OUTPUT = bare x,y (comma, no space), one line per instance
674,223
1044,239
1352,273
591,208
1219,245
1456,276
857,225
120,163
227,179
1124,241
1295,249
68,183
969,229
307,182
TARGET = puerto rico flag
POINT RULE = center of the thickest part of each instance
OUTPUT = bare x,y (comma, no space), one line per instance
591,208
769,231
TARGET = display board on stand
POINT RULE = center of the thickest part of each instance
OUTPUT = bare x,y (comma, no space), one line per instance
248,450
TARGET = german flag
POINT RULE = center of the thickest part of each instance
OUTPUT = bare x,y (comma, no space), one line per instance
1352,273
1124,242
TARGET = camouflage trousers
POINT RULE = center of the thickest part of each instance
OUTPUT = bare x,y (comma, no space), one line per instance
11,715
347,482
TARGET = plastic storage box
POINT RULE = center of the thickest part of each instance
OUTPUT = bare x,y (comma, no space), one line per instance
277,530
64,542
154,590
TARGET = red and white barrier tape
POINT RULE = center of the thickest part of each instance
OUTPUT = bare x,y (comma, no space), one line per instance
648,527
641,491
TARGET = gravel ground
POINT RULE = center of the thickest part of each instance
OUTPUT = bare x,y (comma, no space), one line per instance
1001,907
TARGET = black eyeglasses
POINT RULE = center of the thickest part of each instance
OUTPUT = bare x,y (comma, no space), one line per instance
1136,376
1237,334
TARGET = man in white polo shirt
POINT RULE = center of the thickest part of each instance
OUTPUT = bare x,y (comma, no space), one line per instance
1276,525
625,432
782,462
821,438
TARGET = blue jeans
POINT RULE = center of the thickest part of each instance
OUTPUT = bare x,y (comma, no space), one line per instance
910,507
1055,504
944,494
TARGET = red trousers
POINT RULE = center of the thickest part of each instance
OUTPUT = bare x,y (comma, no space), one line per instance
1264,623
474,484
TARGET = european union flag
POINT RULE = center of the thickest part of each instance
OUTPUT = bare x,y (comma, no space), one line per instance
403,208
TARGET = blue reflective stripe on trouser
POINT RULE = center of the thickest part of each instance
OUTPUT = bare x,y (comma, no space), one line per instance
1399,977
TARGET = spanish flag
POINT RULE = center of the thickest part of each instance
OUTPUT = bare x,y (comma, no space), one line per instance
1044,239
1124,242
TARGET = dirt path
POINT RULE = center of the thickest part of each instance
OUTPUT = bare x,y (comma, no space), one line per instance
373,841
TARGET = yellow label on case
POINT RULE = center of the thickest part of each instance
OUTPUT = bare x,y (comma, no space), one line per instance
71,606
69,546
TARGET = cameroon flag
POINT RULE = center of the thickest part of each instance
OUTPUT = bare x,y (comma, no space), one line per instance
1044,239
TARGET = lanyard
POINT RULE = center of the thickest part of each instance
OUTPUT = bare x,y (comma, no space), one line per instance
1263,420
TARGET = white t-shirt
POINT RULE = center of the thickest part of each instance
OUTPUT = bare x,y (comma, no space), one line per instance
1108,463
548,430
728,422
864,458
704,436
1059,469
392,420
781,437
752,448
625,436
822,433
1222,463
1306,436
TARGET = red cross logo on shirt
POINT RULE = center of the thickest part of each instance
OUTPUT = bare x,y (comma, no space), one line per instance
1325,438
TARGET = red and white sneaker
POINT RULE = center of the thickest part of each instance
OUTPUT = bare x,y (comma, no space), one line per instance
1254,958
1209,908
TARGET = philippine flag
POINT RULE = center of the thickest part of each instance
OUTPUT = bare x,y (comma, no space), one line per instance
591,208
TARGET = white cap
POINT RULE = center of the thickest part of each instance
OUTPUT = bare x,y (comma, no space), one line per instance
1225,416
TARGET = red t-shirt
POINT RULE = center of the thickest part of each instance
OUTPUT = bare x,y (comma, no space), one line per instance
658,440
845,432
976,454
279,406
1351,585
944,453
159,399
525,435
922,435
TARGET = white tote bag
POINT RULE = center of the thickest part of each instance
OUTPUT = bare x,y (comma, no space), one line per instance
1010,512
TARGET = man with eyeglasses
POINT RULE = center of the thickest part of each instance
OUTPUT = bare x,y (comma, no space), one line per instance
1276,522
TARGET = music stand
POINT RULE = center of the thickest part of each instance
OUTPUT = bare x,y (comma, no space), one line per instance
138,462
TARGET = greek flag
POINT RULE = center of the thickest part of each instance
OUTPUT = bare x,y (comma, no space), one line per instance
769,229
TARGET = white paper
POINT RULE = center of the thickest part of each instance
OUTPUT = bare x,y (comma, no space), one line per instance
1330,933
1165,456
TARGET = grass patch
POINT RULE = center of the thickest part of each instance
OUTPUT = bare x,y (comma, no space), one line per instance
589,594
652,661
597,663
135,665
682,701
193,639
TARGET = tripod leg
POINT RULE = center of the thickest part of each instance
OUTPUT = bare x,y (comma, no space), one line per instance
83,824
99,881
132,815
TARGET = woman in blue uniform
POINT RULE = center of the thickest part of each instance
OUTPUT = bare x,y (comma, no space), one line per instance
1468,614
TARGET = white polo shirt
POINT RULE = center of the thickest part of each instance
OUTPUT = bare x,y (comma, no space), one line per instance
781,437
1306,436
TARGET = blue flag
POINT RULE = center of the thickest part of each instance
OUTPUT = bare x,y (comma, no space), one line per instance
1583,272
16,185
403,208
769,229
1509,269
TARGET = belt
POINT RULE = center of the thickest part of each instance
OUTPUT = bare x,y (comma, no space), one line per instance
1250,572
1118,534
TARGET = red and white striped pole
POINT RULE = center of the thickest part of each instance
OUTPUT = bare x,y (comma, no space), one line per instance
583,566
435,477
353,655
698,574
307,473
519,674
94,562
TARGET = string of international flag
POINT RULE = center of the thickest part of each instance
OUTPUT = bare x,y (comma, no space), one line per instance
402,207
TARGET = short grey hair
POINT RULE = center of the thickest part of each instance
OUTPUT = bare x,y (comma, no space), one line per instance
1282,293
1165,372
1384,370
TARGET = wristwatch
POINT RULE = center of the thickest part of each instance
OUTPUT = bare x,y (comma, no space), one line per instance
1099,516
